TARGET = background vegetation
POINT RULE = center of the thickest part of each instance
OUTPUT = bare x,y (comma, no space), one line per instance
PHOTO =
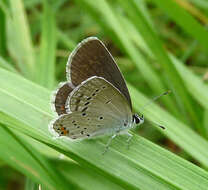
158,44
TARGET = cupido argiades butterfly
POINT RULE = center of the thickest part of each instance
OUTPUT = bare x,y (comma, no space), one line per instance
95,100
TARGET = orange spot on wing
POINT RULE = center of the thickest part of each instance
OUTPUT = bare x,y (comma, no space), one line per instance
62,128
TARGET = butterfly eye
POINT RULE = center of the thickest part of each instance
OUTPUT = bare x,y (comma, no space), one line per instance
136,119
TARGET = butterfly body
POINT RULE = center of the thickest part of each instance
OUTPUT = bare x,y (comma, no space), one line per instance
95,101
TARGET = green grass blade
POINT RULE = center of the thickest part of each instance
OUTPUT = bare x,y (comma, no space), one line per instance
2,33
65,40
85,179
194,85
201,3
153,166
21,46
189,24
46,67
5,65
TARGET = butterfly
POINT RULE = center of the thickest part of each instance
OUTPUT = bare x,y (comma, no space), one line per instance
95,100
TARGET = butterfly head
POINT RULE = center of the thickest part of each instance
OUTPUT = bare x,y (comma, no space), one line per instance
138,120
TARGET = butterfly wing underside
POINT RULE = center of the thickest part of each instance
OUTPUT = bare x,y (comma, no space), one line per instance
94,108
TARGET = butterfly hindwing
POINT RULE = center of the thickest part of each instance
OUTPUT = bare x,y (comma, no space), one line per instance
94,108
60,96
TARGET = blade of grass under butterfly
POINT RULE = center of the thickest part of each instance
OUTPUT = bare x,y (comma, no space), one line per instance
46,68
153,166
19,154
20,44
85,178
5,65
108,17
173,79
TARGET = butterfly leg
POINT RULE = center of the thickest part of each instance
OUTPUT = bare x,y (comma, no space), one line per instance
129,139
109,142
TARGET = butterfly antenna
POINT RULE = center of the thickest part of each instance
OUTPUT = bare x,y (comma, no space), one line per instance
158,125
150,102
154,99
154,123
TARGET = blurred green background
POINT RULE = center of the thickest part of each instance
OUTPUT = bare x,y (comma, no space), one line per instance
158,44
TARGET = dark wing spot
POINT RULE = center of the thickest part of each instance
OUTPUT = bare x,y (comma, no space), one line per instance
73,121
89,98
86,103
104,87
97,90
83,114
82,132
78,127
85,128
101,117
93,94
108,101
88,135
84,109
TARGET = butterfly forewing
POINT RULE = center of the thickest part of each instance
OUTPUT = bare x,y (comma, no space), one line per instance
91,58
97,108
